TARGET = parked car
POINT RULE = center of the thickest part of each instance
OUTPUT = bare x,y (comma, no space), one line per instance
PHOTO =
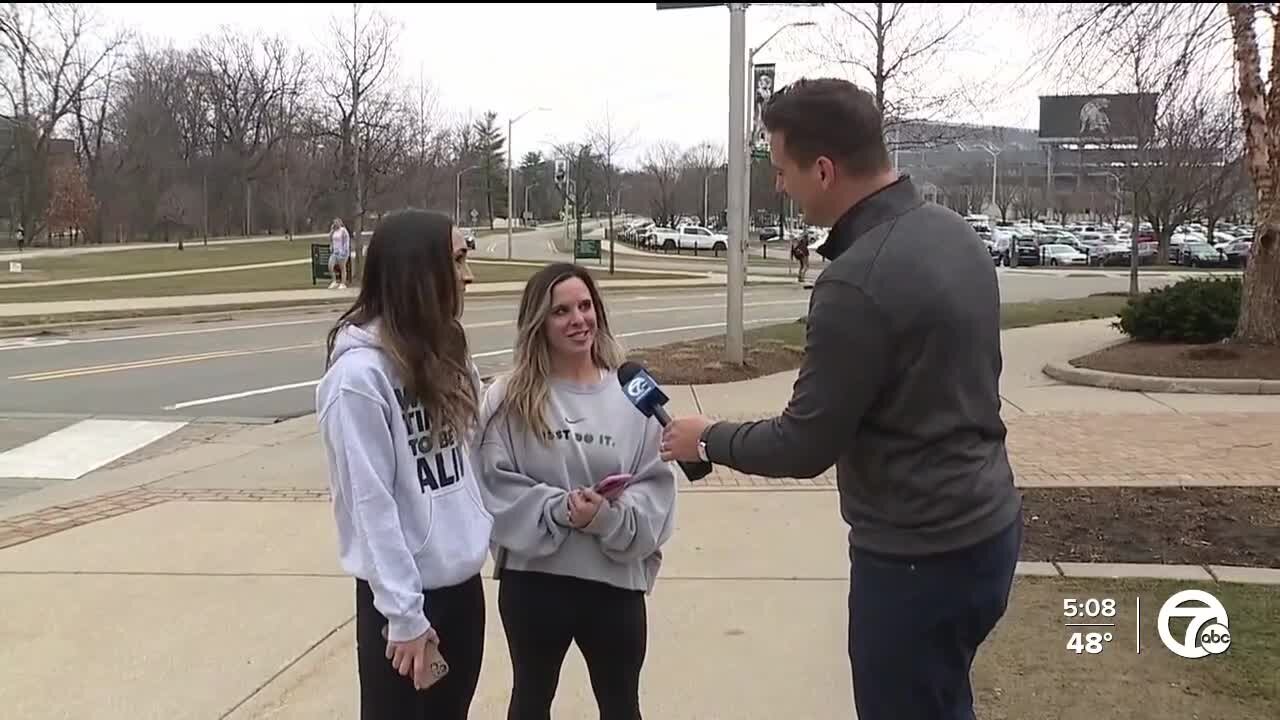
1238,253
1060,254
1202,255
690,237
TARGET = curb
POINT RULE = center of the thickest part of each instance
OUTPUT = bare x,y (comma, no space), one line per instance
1149,571
1149,383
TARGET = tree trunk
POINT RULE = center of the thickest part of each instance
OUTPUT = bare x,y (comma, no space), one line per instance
1260,301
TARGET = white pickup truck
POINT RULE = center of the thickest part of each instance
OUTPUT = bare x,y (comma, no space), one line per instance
689,237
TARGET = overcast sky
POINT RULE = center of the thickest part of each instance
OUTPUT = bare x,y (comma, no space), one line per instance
663,74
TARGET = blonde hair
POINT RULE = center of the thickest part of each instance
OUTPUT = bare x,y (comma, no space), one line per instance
527,384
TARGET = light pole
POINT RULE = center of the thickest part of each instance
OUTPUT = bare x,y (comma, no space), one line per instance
705,181
527,188
457,212
739,200
738,166
994,152
511,174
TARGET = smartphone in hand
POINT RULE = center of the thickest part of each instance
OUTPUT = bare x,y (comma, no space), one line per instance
611,487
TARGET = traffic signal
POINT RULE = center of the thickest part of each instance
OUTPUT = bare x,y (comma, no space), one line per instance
560,173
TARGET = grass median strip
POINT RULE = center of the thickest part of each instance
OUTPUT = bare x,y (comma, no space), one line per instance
288,277
158,259
776,348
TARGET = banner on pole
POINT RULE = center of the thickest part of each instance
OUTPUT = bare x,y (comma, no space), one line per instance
762,78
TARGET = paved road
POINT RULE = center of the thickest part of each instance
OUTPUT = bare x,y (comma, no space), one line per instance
265,364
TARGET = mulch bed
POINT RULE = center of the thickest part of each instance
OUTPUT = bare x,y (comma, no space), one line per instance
1167,525
698,362
1214,360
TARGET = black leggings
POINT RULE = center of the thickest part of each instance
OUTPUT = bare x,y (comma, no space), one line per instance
543,613
458,614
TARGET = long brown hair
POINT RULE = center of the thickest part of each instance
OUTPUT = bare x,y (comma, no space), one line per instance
411,289
526,392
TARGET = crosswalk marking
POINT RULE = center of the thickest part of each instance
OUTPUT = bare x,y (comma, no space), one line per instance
82,447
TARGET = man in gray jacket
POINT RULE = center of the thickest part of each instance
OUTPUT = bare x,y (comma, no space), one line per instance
899,389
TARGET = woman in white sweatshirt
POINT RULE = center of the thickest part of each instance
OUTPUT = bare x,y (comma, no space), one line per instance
574,563
397,408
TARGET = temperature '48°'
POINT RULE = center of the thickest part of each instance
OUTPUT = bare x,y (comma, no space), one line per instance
1091,643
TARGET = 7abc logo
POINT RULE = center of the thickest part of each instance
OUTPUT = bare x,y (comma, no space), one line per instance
638,387
1207,632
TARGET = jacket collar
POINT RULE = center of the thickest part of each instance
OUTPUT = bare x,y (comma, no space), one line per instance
884,204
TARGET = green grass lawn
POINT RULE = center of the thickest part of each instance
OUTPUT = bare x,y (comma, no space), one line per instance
288,277
159,259
1012,315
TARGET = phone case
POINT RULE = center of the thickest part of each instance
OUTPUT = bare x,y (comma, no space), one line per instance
437,666
612,485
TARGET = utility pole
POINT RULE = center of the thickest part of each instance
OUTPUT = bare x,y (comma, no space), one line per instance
734,352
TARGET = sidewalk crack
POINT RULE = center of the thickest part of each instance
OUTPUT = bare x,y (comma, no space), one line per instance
1158,401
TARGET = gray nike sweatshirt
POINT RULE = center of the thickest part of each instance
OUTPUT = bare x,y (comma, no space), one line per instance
595,432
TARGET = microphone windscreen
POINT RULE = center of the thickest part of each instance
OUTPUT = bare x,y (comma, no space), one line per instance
628,370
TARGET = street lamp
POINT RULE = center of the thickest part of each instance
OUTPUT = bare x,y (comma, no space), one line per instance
457,214
705,182
527,188
994,152
511,174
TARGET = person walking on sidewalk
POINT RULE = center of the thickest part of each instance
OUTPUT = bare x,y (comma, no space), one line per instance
574,558
397,409
899,389
339,254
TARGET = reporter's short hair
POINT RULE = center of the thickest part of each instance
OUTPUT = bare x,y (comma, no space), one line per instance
832,118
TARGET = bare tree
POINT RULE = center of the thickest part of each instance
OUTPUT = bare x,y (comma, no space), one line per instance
1192,39
362,61
607,141
896,50
50,55
703,159
1260,304
663,163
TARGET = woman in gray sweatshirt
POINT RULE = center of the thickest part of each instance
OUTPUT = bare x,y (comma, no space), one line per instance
574,564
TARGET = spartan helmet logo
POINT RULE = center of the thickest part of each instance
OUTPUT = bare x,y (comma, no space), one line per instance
1093,117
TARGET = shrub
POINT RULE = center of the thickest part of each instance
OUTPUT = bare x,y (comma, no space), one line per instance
1196,310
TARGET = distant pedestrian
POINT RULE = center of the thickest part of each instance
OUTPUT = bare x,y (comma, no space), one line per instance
397,409
900,390
800,252
339,254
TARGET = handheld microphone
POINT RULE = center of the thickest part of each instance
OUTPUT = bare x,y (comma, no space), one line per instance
643,392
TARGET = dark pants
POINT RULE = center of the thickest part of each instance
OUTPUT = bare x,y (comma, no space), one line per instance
916,623
458,615
543,613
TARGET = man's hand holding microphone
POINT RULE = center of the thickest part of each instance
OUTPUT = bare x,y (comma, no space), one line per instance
680,438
